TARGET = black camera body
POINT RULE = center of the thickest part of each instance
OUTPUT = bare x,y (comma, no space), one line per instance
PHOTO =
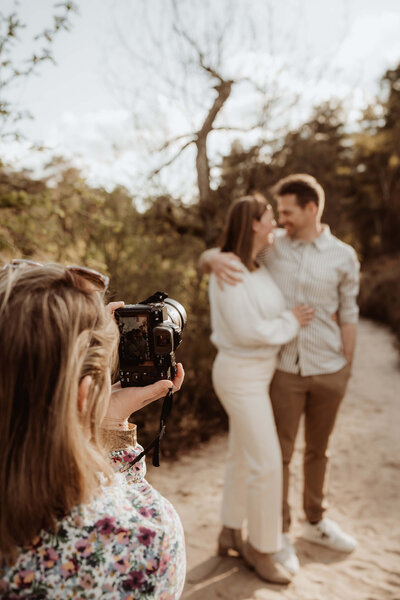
150,332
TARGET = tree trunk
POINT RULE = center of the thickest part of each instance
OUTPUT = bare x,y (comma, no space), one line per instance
202,164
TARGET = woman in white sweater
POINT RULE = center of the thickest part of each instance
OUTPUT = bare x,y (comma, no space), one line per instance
250,322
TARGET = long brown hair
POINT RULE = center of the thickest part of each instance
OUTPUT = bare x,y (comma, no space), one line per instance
238,233
53,332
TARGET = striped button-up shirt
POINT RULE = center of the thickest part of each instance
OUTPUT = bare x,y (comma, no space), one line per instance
323,273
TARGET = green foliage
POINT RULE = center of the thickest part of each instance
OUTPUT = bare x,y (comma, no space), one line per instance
320,147
143,253
158,249
359,171
375,207
380,291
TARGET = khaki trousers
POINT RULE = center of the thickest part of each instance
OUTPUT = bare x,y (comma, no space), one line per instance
319,398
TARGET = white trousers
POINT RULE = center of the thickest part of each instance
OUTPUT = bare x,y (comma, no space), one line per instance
253,476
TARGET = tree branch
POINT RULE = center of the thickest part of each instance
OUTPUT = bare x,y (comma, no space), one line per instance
171,160
171,141
242,129
224,89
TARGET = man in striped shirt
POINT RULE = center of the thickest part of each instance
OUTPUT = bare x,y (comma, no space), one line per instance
313,267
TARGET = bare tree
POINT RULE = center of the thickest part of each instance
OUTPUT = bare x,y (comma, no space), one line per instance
190,65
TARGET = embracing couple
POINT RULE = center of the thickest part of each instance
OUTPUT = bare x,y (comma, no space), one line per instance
283,316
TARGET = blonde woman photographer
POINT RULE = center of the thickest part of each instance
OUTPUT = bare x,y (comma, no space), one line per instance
77,519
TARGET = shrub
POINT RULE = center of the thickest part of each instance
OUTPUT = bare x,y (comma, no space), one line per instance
380,291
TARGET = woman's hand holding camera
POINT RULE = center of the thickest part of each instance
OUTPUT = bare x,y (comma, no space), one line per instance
304,314
112,306
127,400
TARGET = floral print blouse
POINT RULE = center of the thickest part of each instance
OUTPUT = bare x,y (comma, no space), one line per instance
127,544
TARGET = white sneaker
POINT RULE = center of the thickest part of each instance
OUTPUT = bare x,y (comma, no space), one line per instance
287,555
328,533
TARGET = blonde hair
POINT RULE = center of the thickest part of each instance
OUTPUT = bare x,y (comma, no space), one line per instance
53,332
238,233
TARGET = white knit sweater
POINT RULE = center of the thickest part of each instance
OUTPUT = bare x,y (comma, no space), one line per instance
249,319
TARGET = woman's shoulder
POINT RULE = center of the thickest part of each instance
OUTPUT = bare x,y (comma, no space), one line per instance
130,505
118,514
241,271
125,540
136,517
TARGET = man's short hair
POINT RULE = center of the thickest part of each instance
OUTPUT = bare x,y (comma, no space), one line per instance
305,187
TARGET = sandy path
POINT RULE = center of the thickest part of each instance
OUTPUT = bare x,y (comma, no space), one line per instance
364,496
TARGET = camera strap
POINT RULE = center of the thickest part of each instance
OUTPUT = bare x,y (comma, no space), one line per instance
165,411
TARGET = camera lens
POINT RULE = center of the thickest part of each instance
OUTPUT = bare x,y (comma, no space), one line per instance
176,312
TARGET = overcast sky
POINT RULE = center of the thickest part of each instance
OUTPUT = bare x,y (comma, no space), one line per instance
80,105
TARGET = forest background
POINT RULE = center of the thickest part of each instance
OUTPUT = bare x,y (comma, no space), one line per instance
152,241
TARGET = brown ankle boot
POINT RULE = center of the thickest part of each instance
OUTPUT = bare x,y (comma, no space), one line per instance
265,566
229,539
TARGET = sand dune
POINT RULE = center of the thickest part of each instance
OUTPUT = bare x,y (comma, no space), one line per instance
364,497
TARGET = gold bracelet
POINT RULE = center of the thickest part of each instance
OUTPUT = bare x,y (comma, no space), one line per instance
119,439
